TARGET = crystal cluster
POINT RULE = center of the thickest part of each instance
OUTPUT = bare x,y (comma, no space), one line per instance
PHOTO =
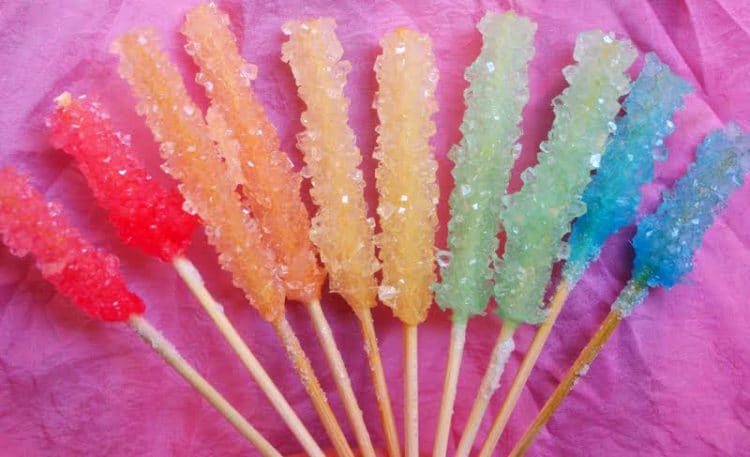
537,217
498,90
405,103
613,196
146,214
88,276
270,187
192,158
341,229
666,240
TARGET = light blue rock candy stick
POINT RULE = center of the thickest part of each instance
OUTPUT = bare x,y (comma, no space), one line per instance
613,196
664,246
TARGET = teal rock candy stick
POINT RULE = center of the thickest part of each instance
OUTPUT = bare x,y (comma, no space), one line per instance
538,216
666,240
664,246
613,196
497,93
498,90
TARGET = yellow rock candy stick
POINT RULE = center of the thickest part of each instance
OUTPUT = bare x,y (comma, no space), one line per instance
405,102
405,176
341,229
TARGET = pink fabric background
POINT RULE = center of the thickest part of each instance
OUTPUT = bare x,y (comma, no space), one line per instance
673,381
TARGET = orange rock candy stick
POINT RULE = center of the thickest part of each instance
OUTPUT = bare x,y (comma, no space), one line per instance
341,229
270,186
271,189
192,158
405,102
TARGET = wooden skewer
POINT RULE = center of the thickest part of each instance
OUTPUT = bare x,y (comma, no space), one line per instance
341,377
453,365
490,382
194,281
310,381
164,348
411,391
378,380
578,369
529,360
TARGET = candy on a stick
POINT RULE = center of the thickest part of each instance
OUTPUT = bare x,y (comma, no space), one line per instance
498,90
537,217
341,229
613,196
611,199
664,246
270,187
405,103
193,159
91,279
146,215
149,216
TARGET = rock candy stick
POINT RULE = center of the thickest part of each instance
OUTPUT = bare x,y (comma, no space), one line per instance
91,279
664,246
405,103
341,229
270,186
192,158
611,199
537,217
497,92
271,189
149,216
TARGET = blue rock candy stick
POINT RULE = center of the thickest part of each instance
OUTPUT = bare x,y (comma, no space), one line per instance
494,101
539,215
666,240
613,196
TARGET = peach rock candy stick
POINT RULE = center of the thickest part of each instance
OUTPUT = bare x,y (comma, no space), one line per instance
191,158
271,189
405,102
341,229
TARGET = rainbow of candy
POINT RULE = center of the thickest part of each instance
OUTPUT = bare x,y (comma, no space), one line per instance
341,229
537,217
498,90
88,276
405,103
192,158
667,239
271,189
146,214
613,196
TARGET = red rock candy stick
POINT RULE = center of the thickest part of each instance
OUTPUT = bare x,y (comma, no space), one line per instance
91,279
149,216
193,159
